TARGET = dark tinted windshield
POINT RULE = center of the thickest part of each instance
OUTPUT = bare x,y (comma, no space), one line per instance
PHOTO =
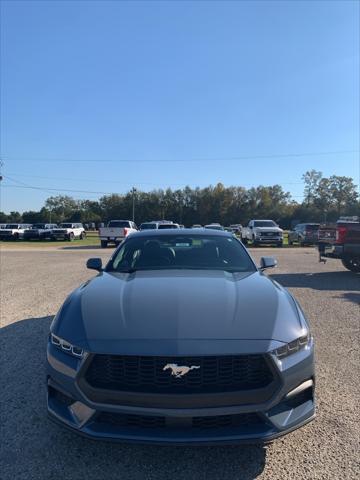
264,223
203,252
312,227
148,226
119,224
66,225
12,226
163,226
38,225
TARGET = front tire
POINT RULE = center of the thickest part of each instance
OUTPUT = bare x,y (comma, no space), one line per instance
352,264
71,237
82,236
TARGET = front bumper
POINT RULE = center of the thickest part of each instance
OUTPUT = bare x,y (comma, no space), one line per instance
60,235
245,423
36,236
268,240
112,239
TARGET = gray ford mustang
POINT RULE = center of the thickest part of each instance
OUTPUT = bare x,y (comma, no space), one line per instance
181,339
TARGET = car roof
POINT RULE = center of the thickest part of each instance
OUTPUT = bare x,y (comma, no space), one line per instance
191,232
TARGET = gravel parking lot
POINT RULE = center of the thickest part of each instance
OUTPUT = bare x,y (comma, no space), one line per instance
34,283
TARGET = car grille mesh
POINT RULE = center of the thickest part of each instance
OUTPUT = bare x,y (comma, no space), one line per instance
146,373
145,421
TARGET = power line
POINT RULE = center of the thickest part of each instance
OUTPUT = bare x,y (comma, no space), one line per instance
50,189
199,159
120,183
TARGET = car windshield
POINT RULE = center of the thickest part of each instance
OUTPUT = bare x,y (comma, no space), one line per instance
264,223
198,252
312,227
119,224
38,225
12,226
163,226
148,226
66,225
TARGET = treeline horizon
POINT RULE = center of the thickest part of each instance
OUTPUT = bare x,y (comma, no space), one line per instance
325,199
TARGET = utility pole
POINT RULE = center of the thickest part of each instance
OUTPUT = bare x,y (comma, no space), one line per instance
1,178
133,191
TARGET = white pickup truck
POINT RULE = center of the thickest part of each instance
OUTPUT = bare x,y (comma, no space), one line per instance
116,231
262,232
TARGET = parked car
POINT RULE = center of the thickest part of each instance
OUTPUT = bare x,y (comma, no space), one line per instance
304,234
13,231
236,229
149,225
116,231
181,339
68,231
262,232
168,225
214,226
40,231
341,241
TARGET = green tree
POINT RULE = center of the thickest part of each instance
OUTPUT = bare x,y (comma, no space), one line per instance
61,207
311,180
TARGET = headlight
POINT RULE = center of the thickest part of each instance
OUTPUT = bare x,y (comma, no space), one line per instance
292,347
66,346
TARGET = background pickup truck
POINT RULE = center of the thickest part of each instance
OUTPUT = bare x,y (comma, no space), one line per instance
116,231
342,241
262,232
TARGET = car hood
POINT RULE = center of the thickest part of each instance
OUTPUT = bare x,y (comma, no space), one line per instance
172,307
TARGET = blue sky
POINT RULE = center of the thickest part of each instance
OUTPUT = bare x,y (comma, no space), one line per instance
160,94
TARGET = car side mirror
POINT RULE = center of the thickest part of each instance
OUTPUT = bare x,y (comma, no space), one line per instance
94,264
267,262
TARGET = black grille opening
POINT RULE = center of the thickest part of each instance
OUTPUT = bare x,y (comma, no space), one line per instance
233,421
301,398
246,420
147,374
60,397
125,420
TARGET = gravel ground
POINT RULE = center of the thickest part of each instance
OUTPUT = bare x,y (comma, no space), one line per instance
33,285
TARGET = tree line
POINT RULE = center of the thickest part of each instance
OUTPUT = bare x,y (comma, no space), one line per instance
325,199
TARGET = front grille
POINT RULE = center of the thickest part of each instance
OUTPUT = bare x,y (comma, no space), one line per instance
146,374
145,421
240,420
125,420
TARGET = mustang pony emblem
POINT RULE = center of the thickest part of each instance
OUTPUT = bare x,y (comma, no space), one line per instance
179,372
